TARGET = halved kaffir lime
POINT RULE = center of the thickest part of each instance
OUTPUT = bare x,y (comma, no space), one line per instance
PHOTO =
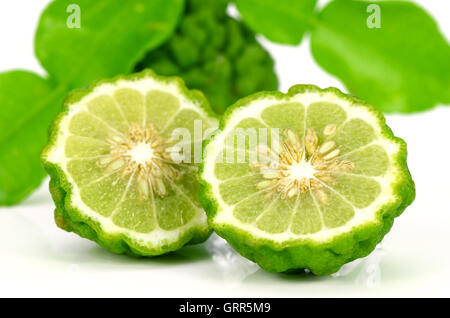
118,173
311,179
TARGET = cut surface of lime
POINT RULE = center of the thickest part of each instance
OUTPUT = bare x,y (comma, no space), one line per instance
120,174
311,179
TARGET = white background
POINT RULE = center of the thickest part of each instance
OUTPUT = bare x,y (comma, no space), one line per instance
38,259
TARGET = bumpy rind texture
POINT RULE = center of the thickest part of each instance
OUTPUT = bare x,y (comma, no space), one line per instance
214,53
71,219
320,258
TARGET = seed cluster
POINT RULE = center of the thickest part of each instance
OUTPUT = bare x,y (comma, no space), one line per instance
154,167
316,163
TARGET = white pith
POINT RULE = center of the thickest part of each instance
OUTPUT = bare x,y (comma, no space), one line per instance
224,215
302,169
141,153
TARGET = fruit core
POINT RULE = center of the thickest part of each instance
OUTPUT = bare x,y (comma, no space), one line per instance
301,170
301,165
146,155
142,153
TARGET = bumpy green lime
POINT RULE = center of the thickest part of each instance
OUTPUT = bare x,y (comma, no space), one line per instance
216,54
311,179
111,158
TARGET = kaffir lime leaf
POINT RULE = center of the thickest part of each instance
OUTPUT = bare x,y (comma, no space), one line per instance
311,179
111,155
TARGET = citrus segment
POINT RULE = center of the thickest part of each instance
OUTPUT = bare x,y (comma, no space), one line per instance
131,103
83,147
289,115
275,216
136,215
354,134
246,135
358,190
159,106
370,161
84,171
85,124
187,119
237,189
307,217
316,120
104,195
248,209
106,108
335,210
226,171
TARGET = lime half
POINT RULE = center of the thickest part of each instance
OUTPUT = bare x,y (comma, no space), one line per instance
120,176
311,179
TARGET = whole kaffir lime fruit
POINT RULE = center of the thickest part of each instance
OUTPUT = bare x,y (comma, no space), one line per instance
214,53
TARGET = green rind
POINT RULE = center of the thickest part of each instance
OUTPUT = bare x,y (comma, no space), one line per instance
71,219
321,258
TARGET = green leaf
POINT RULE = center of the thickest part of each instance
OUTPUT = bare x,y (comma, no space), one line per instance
282,21
113,36
403,66
28,103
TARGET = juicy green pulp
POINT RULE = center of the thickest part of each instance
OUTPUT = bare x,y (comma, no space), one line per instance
359,190
276,215
103,194
132,212
216,54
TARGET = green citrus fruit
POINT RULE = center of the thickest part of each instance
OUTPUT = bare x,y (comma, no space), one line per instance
214,53
118,175
311,179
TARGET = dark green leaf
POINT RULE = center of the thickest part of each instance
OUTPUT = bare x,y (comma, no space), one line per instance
112,37
403,66
282,21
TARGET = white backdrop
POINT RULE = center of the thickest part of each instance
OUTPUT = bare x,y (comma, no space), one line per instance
38,259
